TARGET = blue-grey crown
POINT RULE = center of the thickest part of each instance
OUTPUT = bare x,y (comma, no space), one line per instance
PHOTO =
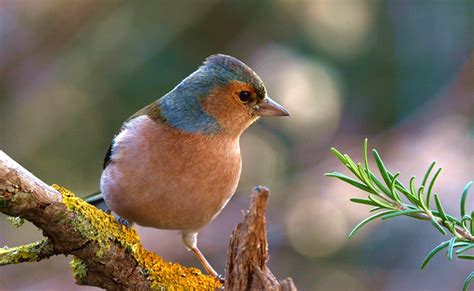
226,68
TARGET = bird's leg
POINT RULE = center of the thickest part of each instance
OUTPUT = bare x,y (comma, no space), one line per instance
204,262
190,240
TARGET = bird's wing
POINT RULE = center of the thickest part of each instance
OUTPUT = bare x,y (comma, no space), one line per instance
152,110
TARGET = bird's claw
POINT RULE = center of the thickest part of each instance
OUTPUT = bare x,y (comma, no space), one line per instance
220,278
123,221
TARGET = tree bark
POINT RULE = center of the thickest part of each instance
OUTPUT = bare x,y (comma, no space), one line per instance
247,254
108,255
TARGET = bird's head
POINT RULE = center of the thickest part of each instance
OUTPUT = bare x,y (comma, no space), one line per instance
223,95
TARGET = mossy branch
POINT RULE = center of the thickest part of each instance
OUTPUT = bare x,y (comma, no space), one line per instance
107,254
33,252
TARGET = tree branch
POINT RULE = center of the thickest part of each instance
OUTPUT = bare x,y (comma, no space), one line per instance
109,255
33,252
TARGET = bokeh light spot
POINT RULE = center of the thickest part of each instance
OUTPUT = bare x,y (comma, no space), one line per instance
316,227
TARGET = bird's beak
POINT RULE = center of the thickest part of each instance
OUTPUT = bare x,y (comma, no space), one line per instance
268,107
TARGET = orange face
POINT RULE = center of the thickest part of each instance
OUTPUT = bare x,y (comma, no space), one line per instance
233,106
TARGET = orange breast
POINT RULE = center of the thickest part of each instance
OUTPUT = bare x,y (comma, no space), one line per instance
165,178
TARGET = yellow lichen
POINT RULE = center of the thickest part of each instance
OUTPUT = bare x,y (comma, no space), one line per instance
103,228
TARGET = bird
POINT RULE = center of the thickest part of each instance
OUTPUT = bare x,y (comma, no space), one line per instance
175,163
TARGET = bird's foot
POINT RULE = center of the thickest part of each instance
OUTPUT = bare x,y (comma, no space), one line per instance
220,278
124,222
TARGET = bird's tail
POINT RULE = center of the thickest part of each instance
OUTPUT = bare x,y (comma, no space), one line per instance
97,199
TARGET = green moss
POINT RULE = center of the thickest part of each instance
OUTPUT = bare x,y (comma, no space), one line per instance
103,228
79,268
25,253
16,221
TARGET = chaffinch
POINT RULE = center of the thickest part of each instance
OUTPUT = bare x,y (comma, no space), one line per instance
176,163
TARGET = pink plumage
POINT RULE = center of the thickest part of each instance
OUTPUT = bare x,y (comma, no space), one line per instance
176,163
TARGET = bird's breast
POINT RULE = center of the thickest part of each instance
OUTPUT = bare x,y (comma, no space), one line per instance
165,178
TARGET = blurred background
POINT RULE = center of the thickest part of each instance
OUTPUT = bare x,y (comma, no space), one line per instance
398,72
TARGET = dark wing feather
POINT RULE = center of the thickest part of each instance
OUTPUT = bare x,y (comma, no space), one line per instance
108,156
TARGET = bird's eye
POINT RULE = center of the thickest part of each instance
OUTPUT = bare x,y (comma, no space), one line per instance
244,96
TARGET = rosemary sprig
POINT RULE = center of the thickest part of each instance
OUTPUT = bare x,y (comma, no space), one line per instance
390,198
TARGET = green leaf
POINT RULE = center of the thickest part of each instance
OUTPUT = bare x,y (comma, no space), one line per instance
425,179
450,217
472,222
366,159
380,202
467,247
375,209
379,184
365,178
464,220
410,197
403,190
442,214
401,212
464,197
420,197
349,180
367,220
393,190
352,166
412,186
398,183
451,248
466,257
430,187
427,174
467,281
364,201
433,252
410,206
381,166
438,226
339,155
